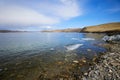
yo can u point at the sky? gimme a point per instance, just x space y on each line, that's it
36 15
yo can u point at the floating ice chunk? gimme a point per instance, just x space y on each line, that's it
52 49
73 47
88 39
76 39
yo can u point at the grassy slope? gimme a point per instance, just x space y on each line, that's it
110 27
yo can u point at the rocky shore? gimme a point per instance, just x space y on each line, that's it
107 66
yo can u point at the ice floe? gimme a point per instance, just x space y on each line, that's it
75 39
52 49
73 47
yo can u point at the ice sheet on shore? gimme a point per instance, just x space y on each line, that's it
73 47
87 39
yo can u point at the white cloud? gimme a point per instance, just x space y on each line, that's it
65 9
42 12
20 15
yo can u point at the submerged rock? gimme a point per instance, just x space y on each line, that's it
89 50
1 70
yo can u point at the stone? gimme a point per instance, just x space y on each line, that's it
89 50
5 69
111 38
112 53
84 61
110 71
84 78
115 64
85 74
76 61
61 79
105 56
1 70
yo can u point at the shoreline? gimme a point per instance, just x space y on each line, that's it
106 66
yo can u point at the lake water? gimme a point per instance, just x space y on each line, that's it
36 55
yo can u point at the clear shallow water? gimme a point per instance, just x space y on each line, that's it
22 54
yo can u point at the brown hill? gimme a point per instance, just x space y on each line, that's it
109 27
64 30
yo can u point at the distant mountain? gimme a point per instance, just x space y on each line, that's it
7 31
64 30
109 27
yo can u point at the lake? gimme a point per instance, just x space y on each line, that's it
45 56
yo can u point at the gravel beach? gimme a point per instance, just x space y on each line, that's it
107 66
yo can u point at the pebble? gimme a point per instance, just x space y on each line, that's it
110 71
105 56
85 74
115 64
88 49
84 61
76 61
61 79
108 66
84 78
5 69
112 53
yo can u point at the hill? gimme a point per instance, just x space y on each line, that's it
109 27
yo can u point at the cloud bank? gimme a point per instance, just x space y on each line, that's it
41 12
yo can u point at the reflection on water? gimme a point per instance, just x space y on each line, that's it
38 56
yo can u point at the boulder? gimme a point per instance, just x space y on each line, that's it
111 38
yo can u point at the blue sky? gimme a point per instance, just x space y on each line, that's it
57 14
